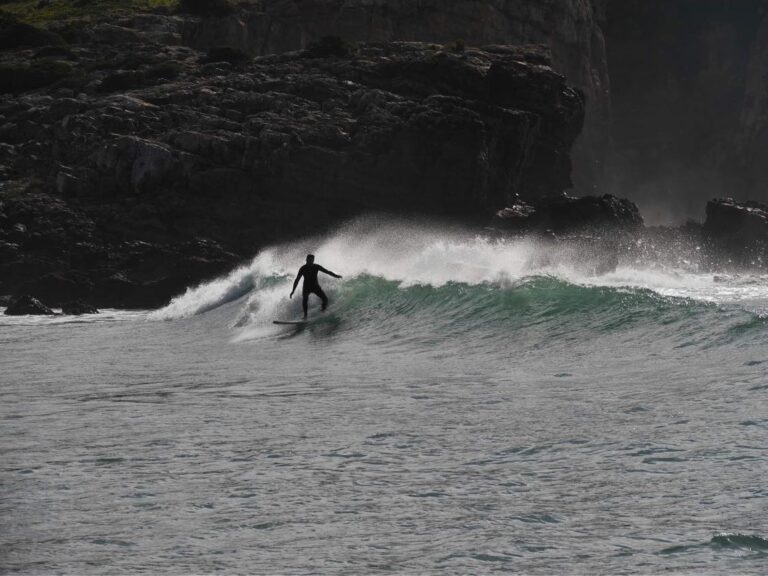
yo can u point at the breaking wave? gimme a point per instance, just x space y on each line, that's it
413 278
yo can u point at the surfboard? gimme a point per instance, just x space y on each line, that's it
290 322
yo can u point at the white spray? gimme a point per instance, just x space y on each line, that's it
417 253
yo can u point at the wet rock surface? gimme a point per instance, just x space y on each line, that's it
28 306
740 232
78 308
566 214
745 220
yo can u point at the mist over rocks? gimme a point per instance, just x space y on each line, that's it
78 308
566 214
740 230
689 103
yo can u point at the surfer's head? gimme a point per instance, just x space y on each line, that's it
310 258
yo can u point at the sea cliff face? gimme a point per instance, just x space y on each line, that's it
674 89
571 29
154 165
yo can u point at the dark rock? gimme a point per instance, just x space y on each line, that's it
57 288
689 100
226 54
122 81
742 220
134 161
119 291
77 308
55 51
110 34
565 214
163 71
67 184
15 34
28 305
738 234
329 46
207 7
22 76
397 125
591 212
571 33
517 213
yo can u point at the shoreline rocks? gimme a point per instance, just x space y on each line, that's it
78 308
27 305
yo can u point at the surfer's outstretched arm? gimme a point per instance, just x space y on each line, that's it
330 273
296 282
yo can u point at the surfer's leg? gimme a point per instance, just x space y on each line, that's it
323 297
304 302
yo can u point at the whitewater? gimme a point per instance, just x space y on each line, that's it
467 404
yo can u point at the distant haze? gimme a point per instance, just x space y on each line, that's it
683 89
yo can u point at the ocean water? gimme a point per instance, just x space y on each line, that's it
464 406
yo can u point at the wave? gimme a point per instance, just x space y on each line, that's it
749 542
728 541
424 277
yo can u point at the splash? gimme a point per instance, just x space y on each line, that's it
412 254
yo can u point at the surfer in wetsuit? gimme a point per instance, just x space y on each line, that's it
309 272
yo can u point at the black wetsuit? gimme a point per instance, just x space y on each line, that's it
311 286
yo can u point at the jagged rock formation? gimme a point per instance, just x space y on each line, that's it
564 214
157 166
681 116
572 29
739 231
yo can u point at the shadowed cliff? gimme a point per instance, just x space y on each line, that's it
572 30
689 102
154 165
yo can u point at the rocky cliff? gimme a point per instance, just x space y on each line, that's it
571 29
675 90
153 165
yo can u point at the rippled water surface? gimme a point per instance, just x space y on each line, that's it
461 408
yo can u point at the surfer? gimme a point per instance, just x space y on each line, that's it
311 286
